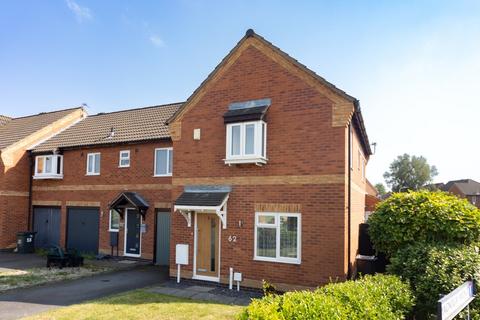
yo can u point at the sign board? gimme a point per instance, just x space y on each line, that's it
181 254
454 302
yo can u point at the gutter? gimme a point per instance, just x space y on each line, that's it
30 182
349 214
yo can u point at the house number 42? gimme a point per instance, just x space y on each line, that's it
232 239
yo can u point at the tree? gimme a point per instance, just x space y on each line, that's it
381 189
409 173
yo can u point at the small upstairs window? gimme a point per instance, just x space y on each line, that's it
48 167
163 162
124 161
93 164
246 132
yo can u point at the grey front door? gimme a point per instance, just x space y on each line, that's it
162 254
46 224
132 233
82 229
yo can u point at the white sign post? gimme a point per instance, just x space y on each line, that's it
181 257
454 302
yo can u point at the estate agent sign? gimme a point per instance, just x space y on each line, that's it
454 302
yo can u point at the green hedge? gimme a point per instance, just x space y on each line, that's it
423 216
433 270
371 297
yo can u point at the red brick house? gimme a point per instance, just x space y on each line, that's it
463 188
261 170
17 135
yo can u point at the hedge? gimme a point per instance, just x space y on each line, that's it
433 270
371 297
423 216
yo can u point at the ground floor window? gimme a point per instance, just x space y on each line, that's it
278 237
114 224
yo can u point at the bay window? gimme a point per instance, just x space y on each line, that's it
246 143
278 237
49 167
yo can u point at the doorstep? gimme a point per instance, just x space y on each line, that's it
209 293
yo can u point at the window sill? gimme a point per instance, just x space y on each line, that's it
113 230
278 260
259 161
48 176
124 166
161 175
92 174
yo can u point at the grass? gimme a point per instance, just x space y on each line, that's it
140 304
12 278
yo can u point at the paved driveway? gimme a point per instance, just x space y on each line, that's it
24 302
18 261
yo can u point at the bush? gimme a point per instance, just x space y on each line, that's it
371 297
423 216
433 270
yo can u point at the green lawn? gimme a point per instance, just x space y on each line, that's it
140 304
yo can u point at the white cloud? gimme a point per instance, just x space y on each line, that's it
81 13
157 41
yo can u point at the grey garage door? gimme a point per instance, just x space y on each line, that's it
82 229
163 239
46 224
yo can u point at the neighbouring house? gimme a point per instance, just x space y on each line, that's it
261 171
372 198
16 136
464 188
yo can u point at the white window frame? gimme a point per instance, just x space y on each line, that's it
120 158
169 165
49 175
276 225
110 222
93 155
257 156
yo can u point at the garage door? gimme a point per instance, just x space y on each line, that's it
46 224
82 229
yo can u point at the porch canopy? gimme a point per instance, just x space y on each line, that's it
129 200
207 199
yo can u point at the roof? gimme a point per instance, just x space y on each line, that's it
4 119
17 129
201 199
129 199
466 186
358 118
132 125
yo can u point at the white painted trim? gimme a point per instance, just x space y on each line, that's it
110 222
50 175
125 236
169 165
195 239
120 159
276 226
93 166
257 156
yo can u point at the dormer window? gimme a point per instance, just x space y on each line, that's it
246 132
49 167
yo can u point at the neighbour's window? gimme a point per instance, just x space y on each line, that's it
93 164
246 140
114 224
49 165
124 161
277 237
474 200
163 162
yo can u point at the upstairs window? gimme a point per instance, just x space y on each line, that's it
163 162
48 167
93 164
124 161
246 142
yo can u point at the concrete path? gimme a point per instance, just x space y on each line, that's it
24 302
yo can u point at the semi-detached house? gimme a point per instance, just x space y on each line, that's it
261 170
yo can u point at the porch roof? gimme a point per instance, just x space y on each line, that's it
201 199
129 200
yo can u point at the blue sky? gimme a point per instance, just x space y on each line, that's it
414 65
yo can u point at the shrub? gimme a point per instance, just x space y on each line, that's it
436 269
423 216
371 297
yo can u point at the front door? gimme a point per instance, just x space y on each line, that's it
133 221
207 245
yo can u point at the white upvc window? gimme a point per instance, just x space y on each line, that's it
124 159
278 237
246 142
114 221
49 167
93 164
163 162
